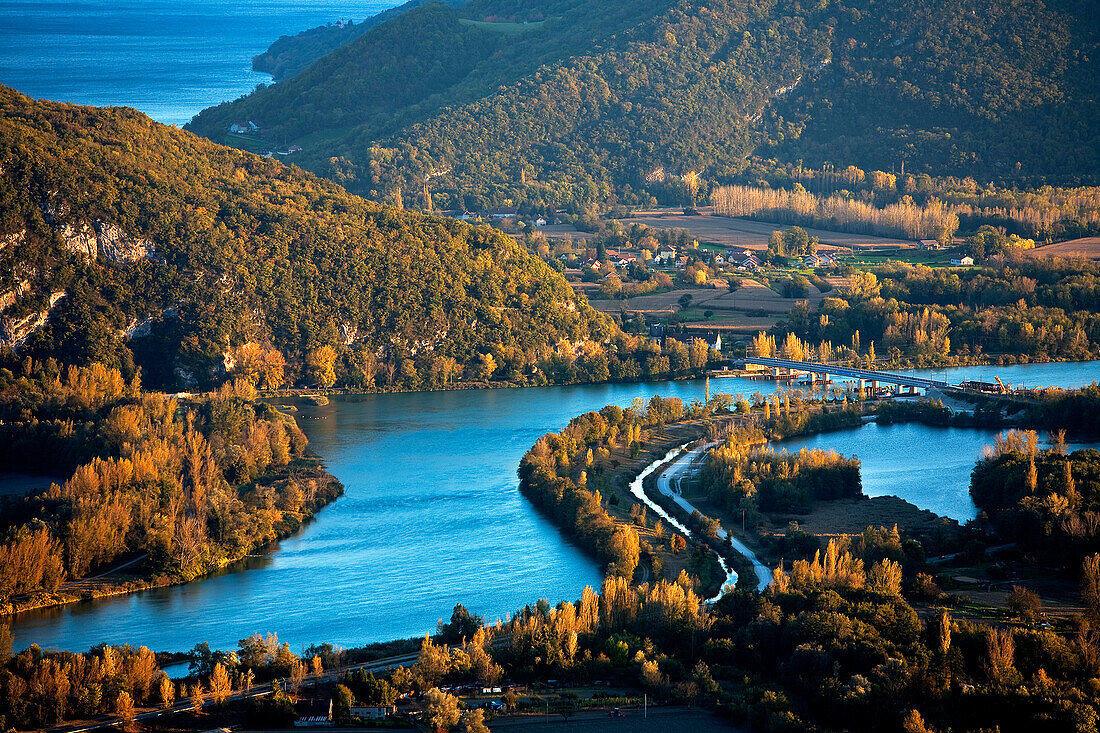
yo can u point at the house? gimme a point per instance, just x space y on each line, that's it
966 261
817 260
503 213
928 244
313 713
540 222
294 149
719 260
373 712
749 263
681 262
247 128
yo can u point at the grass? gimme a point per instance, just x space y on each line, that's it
912 256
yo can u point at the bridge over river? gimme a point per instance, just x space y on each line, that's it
864 375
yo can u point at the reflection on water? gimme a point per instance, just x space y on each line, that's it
433 516
926 466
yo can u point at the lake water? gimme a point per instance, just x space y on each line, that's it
433 516
168 58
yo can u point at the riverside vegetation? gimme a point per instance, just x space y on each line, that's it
834 643
911 315
182 487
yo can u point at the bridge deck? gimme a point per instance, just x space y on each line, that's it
868 375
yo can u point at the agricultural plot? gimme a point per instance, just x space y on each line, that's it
1088 247
748 234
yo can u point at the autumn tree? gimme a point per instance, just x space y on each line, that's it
220 685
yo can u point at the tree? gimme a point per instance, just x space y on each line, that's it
885 577
167 690
220 685
5 644
463 625
1090 589
441 709
486 366
124 709
942 633
1024 603
914 723
320 366
473 721
342 702
297 676
198 698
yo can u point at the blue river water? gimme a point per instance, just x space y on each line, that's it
167 58
433 516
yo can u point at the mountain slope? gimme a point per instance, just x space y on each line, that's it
129 242
587 105
291 54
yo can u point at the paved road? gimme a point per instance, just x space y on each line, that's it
668 483
655 720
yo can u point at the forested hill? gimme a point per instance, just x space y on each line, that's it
127 242
290 54
574 101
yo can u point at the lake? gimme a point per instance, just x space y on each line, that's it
433 516
168 58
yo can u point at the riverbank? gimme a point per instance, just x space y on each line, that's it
129 576
905 365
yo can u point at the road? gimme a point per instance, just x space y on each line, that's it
668 483
634 720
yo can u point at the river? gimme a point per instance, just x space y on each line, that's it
433 516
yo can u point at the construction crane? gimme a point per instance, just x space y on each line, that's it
1001 385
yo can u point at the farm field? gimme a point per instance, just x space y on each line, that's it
748 234
1088 247
749 309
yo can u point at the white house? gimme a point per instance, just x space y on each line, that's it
966 261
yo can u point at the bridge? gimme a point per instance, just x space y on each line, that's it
864 375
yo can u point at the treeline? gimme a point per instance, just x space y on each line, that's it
1046 500
44 688
903 219
831 645
555 475
182 486
743 473
1027 309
